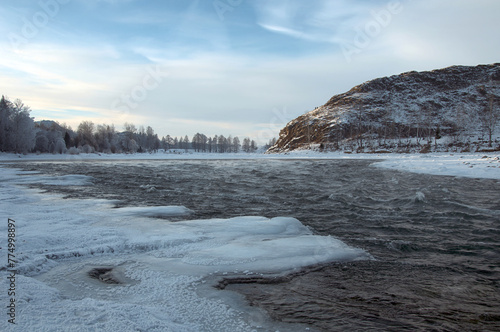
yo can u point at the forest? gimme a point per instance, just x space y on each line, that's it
20 133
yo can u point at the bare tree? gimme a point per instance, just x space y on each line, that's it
222 143
186 143
215 141
130 127
460 124
246 145
85 133
253 146
236 144
489 118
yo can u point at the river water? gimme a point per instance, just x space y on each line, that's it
435 239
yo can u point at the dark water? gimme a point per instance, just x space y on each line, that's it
436 239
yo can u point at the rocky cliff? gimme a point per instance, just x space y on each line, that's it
411 108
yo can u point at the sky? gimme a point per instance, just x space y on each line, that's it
230 67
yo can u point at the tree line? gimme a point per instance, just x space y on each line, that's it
21 134
17 128
423 128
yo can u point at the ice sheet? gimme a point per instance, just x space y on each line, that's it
162 266
486 166
36 178
154 211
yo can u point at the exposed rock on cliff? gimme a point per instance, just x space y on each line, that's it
408 109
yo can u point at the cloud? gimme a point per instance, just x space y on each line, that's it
316 21
296 34
442 33
229 77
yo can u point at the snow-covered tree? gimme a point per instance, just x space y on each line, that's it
5 123
41 141
22 136
60 146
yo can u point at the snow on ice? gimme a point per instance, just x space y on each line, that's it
163 272
155 211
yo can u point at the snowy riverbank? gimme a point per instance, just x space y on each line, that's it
475 165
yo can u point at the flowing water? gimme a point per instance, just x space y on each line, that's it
435 239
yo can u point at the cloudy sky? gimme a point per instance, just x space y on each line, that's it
239 67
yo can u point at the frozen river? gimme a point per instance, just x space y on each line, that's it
418 252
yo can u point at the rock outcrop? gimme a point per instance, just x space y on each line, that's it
412 106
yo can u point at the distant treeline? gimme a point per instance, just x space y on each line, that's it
21 134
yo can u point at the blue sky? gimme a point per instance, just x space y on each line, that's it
239 67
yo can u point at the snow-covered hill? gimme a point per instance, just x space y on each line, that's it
403 112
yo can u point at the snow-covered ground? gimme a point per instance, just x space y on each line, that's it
485 166
167 270
474 165
477 165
